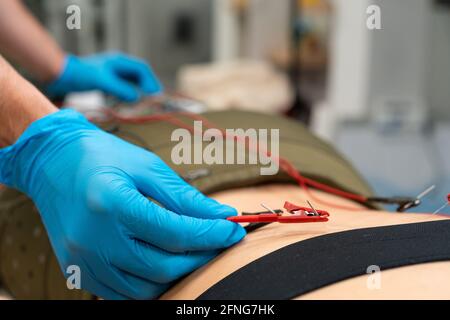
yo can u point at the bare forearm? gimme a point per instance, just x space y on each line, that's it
20 104
25 41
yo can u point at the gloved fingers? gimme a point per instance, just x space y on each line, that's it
125 285
162 184
151 263
106 293
99 289
139 288
169 231
130 67
118 87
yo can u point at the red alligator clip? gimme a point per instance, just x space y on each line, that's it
295 209
298 215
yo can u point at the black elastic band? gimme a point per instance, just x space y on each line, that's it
311 264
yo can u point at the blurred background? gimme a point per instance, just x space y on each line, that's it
380 96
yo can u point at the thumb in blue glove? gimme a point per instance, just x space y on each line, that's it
90 188
117 74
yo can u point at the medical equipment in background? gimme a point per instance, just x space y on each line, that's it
300 108
377 74
169 33
243 84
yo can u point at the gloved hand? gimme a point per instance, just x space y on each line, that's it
90 187
122 76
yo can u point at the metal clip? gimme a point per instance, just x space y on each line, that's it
298 215
404 203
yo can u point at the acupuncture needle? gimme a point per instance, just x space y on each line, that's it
269 209
426 191
311 206
444 205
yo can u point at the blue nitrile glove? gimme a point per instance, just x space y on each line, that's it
122 76
89 188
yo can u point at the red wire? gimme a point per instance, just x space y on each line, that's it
303 182
284 164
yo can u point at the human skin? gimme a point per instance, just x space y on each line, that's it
20 104
422 281
26 42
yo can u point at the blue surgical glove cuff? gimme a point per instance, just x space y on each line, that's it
61 85
16 161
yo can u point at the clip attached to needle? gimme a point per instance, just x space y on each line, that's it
404 203
309 212
298 214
